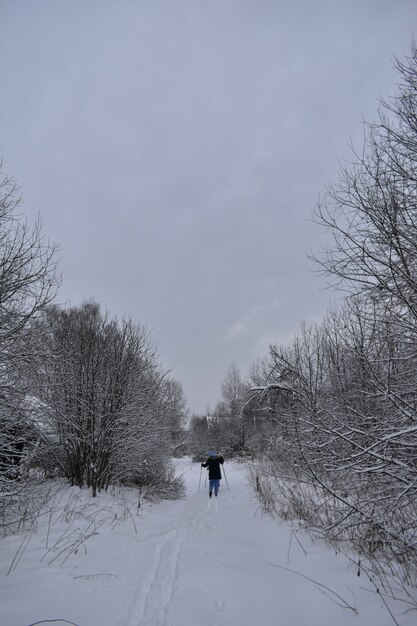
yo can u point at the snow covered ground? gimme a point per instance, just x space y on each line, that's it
192 562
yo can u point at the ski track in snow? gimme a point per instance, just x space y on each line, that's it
154 595
157 590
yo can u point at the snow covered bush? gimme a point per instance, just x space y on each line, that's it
104 400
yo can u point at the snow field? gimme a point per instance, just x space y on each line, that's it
192 562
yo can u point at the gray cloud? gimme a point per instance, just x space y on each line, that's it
175 150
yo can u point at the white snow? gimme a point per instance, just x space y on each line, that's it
192 562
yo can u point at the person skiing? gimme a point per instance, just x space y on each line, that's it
213 462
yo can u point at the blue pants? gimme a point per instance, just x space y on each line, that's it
214 485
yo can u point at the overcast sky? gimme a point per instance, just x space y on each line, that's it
176 148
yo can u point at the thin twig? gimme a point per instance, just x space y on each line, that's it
98 575
24 544
381 595
299 543
53 621
345 604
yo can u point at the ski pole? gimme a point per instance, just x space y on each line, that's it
225 477
199 482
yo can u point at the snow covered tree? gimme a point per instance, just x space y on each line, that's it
199 437
229 412
104 399
371 215
339 433
353 417
28 282
176 416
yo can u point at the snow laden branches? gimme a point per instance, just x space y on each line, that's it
28 282
108 406
347 429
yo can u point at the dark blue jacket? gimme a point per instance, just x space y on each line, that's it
213 464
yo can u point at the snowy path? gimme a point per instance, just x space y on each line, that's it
193 562
210 563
